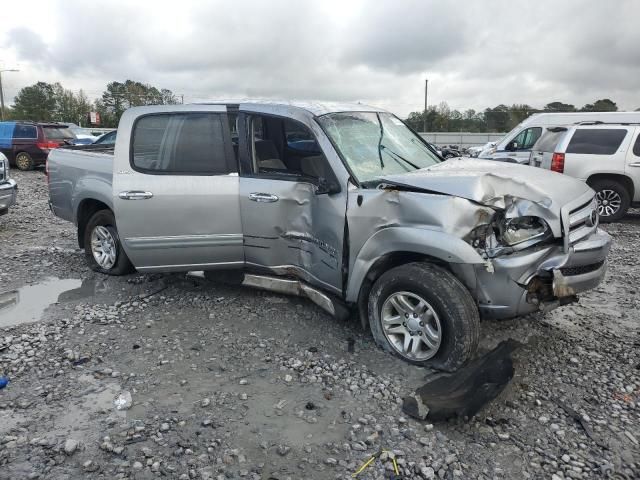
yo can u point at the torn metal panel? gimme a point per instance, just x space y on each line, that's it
382 221
517 190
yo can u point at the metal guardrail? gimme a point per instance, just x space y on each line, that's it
462 139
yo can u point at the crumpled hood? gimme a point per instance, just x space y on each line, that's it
518 189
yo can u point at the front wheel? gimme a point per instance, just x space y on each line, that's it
102 247
423 314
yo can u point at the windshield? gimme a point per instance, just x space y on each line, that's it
376 144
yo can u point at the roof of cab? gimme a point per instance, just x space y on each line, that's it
315 108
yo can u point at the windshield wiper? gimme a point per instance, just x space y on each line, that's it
380 142
391 152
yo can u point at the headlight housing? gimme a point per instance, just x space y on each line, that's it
521 230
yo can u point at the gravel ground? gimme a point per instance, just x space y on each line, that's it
220 382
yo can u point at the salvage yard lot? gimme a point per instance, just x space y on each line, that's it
235 383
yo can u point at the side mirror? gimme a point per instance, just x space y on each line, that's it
327 187
512 146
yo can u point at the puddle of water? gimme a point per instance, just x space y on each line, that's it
27 303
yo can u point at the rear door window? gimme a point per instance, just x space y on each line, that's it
596 141
25 132
181 143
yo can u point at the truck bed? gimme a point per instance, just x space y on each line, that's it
77 173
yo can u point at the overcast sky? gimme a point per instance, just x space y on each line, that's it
474 53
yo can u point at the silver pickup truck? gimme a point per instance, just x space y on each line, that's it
8 187
341 203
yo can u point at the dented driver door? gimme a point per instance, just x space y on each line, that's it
289 229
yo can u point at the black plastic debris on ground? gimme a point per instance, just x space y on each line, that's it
463 393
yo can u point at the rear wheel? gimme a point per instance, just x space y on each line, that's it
423 314
613 200
103 250
24 161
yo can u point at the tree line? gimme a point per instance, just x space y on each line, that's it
501 118
47 102
52 102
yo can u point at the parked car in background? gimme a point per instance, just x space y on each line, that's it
83 136
26 144
474 152
370 219
108 138
516 145
8 187
606 156
450 151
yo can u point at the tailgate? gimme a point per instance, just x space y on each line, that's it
541 159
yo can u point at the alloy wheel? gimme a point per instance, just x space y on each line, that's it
609 202
103 247
411 326
23 162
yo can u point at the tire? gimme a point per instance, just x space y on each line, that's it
450 307
103 223
611 193
24 161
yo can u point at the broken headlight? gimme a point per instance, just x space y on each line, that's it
521 230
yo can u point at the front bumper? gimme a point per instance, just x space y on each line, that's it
8 195
541 278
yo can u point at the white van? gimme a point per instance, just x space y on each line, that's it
516 145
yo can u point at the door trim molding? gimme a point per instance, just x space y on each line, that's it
185 241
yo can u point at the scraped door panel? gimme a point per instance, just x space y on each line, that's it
291 230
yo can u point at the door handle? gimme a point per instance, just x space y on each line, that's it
634 164
263 197
135 195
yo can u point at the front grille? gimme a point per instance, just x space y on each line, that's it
581 269
580 221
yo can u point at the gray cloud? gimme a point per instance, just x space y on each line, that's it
476 54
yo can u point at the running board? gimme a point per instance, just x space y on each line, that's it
296 287
288 286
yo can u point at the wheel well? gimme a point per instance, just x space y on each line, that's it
625 181
384 263
86 209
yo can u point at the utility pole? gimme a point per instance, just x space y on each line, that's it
2 92
182 98
424 116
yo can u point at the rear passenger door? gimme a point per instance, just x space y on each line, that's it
176 189
597 150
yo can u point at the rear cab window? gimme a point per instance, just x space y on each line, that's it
182 144
596 141
58 133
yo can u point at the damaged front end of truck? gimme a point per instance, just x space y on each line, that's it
537 239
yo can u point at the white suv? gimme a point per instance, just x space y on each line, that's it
605 155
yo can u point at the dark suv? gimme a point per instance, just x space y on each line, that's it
27 144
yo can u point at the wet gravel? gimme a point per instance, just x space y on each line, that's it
216 382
